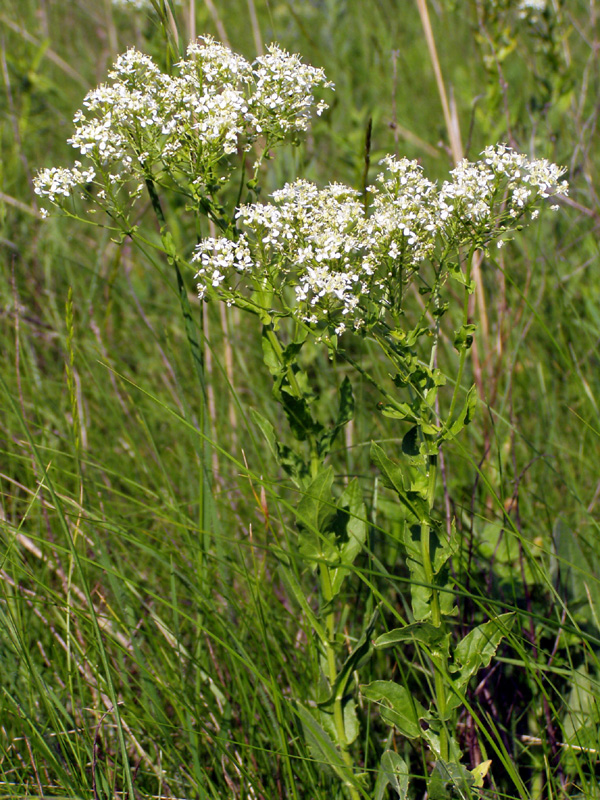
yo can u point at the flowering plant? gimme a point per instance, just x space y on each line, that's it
335 263
349 259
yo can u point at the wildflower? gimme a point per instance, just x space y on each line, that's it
345 264
59 181
143 121
217 258
531 9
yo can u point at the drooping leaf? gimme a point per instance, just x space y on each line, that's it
478 647
398 707
393 771
356 530
322 747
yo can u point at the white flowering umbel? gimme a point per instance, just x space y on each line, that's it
137 5
185 127
57 182
322 256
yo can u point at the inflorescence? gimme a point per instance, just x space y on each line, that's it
145 122
347 262
322 255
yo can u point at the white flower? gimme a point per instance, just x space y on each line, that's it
137 5
58 181
531 8
216 104
340 258
217 258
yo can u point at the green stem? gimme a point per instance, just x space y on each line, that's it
338 711
207 518
463 352
440 664
315 462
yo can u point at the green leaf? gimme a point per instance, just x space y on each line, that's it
316 498
393 771
403 710
463 337
297 411
410 442
441 549
479 772
478 647
457 274
313 515
293 589
359 656
356 530
465 416
292 463
450 780
323 749
270 357
406 481
344 415
422 632
399 411
351 723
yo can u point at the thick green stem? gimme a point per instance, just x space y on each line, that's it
440 664
207 518
326 588
464 348
338 710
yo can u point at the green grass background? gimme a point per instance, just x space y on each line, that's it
148 646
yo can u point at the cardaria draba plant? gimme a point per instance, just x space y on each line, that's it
336 264
341 264
332 261
185 129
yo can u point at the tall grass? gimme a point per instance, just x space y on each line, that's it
156 622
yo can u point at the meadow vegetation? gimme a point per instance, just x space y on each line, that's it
300 426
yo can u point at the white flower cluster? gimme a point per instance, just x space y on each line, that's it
60 182
531 8
183 125
217 258
346 262
502 185
284 88
137 5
